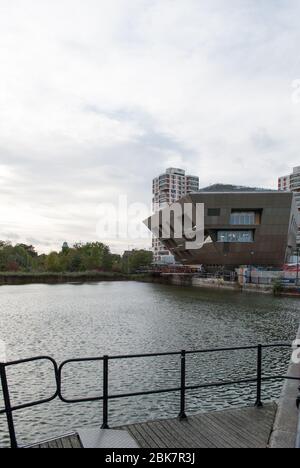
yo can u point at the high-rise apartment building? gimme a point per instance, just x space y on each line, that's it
291 183
167 189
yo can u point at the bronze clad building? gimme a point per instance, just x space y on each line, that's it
241 228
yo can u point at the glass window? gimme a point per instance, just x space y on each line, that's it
235 236
213 212
242 219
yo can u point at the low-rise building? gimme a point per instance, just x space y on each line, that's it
240 228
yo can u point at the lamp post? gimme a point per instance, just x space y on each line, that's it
251 268
297 277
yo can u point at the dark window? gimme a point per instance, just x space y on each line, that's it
213 212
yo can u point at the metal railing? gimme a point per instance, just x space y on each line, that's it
9 409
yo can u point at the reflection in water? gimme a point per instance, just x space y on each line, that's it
67 321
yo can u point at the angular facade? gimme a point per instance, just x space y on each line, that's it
250 228
169 187
291 183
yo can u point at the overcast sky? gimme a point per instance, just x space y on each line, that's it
99 96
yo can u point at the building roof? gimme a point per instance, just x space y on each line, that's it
228 188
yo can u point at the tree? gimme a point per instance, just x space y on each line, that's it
5 251
95 256
136 259
30 249
116 263
52 263
14 258
92 256
76 263
40 263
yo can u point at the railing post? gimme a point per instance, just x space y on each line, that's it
182 414
105 393
9 413
258 403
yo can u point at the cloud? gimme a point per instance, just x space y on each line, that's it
98 97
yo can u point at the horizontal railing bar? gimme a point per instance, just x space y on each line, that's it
196 351
213 350
277 345
291 378
81 400
32 404
241 348
195 387
220 350
235 382
111 358
150 392
136 356
177 389
71 361
175 353
28 360
153 392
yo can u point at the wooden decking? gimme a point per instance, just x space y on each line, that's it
68 442
237 428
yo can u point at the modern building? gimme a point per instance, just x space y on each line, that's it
240 228
169 187
291 183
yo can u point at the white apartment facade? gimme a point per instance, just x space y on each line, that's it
167 189
291 183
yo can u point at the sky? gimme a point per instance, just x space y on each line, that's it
97 97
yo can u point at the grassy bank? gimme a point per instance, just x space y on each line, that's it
60 278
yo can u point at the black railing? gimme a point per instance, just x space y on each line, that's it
106 396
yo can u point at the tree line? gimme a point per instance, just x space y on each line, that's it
82 257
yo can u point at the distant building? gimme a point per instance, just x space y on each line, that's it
167 189
291 183
241 228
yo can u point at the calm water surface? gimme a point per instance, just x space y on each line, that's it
67 321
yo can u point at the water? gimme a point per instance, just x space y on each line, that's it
67 321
